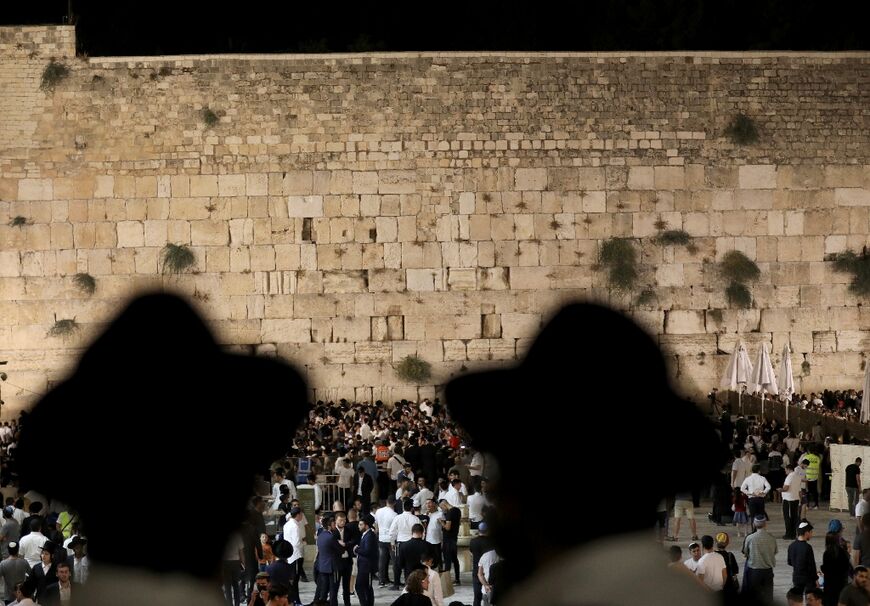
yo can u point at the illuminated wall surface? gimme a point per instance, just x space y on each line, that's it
346 211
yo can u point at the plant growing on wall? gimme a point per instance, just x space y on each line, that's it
673 237
857 265
741 130
85 283
209 117
63 328
414 370
737 269
646 297
18 221
620 258
53 73
177 258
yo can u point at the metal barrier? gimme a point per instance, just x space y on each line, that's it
799 418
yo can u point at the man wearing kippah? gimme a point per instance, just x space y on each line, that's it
760 551
802 559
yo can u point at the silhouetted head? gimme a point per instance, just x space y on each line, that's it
152 397
591 376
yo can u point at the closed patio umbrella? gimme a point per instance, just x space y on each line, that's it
738 372
762 379
786 378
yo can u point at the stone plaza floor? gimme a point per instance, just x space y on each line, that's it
819 518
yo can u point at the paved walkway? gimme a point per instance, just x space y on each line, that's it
819 518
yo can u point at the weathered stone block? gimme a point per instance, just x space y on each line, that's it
533 179
232 185
397 181
461 278
365 182
684 322
641 177
757 176
529 278
285 331
35 189
305 206
520 325
202 186
207 233
131 234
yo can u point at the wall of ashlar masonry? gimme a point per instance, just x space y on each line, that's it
349 210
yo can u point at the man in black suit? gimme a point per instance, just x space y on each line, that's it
328 552
363 485
366 561
51 595
348 537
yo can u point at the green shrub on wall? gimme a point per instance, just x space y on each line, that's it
737 269
857 265
414 370
85 283
53 74
63 328
741 130
673 237
177 258
620 258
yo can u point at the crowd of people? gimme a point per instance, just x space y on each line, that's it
403 474
842 404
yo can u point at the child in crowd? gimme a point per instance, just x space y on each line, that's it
738 506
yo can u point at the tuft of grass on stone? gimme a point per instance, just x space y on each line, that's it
737 267
620 258
177 258
85 283
209 118
63 328
18 221
414 370
672 237
741 130
738 295
53 74
857 265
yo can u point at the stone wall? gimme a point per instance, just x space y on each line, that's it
348 210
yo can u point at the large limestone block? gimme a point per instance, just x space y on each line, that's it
529 278
461 278
684 322
848 196
493 278
428 279
520 325
670 177
372 353
202 186
35 189
297 183
345 281
757 176
365 182
531 179
641 177
231 185
351 329
305 206
688 345
206 233
131 234
397 181
285 331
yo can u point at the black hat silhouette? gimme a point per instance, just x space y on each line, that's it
592 388
165 418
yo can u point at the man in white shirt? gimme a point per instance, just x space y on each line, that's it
384 517
739 468
401 531
791 502
455 496
755 487
423 493
434 532
711 567
278 476
476 503
692 562
486 562
30 546
475 467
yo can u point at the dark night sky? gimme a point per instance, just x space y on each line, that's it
119 27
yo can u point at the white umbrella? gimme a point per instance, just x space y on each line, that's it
786 377
738 373
865 401
763 380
